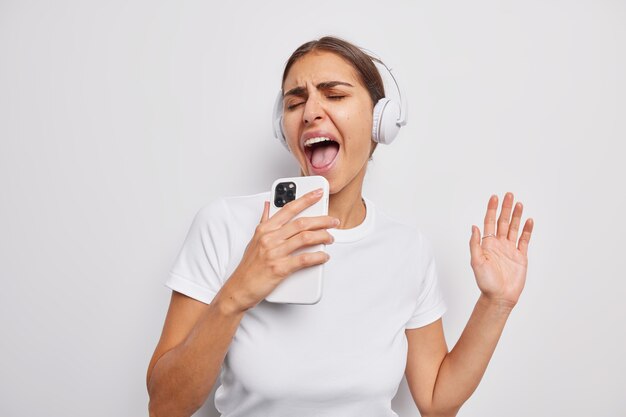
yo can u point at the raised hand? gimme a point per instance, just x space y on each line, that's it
499 259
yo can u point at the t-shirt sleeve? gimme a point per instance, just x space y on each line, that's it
430 303
199 268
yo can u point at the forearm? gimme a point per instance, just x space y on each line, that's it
463 368
183 377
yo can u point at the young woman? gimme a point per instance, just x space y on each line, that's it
380 313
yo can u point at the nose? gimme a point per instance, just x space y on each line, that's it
312 110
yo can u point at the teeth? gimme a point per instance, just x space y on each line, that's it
310 142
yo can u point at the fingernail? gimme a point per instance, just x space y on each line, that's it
336 222
318 192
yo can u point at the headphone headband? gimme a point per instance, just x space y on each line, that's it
402 119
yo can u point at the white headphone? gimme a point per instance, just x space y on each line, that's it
388 116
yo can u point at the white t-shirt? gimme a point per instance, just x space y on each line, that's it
344 356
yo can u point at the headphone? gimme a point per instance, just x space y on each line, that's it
388 115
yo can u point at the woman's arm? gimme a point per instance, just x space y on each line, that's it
441 382
189 355
196 336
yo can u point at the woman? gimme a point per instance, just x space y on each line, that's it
380 313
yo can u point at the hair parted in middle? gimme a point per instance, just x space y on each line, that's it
362 63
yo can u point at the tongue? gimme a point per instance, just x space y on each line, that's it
323 155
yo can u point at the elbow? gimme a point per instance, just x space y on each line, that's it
163 404
158 409
438 411
436 414
443 414
153 411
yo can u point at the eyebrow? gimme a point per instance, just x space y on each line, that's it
301 91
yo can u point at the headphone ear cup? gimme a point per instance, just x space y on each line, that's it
378 109
278 131
385 125
277 119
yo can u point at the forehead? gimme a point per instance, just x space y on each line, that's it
320 66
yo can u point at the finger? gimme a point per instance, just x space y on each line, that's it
524 240
306 259
291 209
304 239
505 215
490 216
515 222
266 212
306 223
475 249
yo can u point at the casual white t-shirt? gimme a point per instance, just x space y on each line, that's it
344 356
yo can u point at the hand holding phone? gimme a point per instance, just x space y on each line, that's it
305 285
273 253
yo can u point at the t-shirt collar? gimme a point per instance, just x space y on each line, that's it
359 231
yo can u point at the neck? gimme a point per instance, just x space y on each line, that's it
347 204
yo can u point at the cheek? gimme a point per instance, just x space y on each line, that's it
358 130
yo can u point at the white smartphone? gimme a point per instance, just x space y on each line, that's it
305 285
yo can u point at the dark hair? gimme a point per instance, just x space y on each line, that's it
362 63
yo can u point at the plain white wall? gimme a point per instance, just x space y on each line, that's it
120 119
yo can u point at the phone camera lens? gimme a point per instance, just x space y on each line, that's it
284 193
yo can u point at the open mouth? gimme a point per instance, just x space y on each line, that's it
321 151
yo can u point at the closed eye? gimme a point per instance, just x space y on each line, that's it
294 105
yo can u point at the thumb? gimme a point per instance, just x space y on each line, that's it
474 243
266 212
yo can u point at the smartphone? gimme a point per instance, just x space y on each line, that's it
305 285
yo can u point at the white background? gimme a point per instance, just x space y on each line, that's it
120 119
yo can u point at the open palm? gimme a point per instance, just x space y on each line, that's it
499 259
